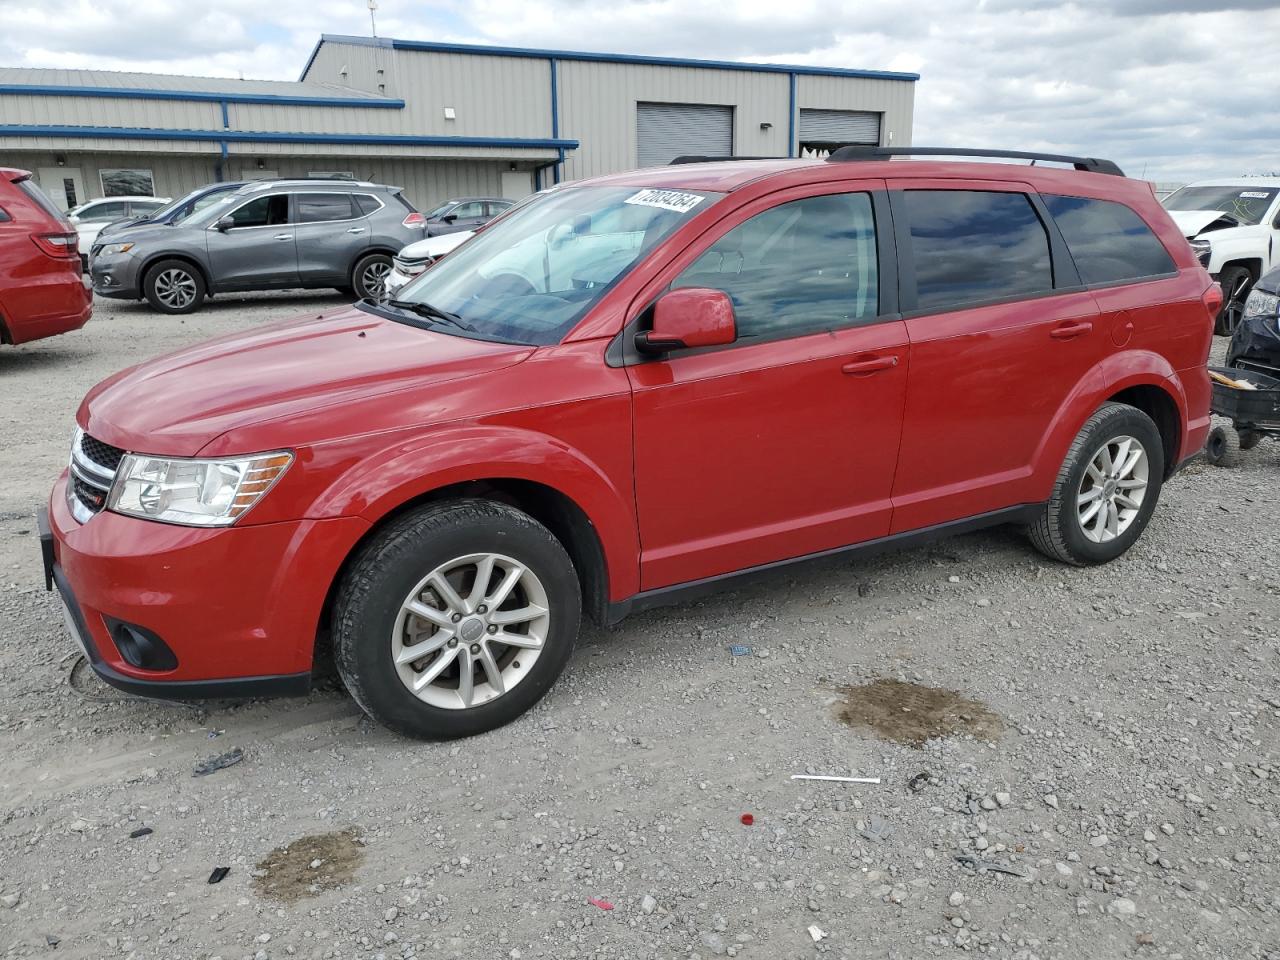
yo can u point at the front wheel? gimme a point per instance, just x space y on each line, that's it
1236 282
174 286
1106 490
456 619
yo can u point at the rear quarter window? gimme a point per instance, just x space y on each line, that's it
1109 242
41 199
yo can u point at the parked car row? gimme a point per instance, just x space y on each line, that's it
625 392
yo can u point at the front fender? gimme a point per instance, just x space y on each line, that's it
1222 252
378 485
1112 375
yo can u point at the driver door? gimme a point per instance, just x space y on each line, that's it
256 251
783 443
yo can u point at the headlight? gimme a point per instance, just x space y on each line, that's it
1261 304
115 249
196 493
1203 250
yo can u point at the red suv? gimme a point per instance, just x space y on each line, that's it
42 292
636 388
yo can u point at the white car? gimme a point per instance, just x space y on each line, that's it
1234 228
419 255
89 218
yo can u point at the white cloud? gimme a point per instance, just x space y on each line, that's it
1175 89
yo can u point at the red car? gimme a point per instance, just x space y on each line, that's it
42 292
637 388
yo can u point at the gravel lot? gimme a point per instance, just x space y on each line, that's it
1117 751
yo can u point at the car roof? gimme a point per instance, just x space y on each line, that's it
1244 182
473 199
132 196
304 183
730 175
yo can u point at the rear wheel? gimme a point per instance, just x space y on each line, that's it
1223 446
1236 284
1249 439
369 276
1106 490
174 286
456 619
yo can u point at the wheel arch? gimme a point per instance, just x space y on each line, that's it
1252 264
1158 404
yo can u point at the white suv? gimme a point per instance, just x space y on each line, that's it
1234 228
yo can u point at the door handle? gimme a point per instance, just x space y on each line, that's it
1070 330
283 236
871 365
356 230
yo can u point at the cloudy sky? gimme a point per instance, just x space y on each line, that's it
1172 89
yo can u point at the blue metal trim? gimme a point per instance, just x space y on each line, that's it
791 119
226 118
430 46
129 93
254 136
555 119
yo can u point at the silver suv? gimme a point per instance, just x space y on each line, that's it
273 235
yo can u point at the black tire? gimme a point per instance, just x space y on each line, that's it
384 574
1249 439
1236 283
174 287
347 292
362 281
1222 448
1058 532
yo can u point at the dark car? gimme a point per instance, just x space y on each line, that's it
464 213
174 212
1255 345
41 290
268 235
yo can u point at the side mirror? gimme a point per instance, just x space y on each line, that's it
449 217
690 317
225 224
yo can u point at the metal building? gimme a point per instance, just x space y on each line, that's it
440 119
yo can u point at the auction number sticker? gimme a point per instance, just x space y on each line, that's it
665 200
1255 195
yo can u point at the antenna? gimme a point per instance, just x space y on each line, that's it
373 16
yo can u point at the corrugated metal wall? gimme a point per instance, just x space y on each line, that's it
894 98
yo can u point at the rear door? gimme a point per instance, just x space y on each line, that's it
1001 333
781 444
467 216
257 252
331 233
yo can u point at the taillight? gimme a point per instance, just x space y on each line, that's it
1213 300
414 219
60 245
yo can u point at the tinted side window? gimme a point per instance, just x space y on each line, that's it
972 246
262 212
365 203
797 268
104 212
467 211
1108 241
319 207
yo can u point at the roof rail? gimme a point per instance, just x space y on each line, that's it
860 152
694 158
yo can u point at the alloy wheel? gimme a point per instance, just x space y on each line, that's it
1112 489
1233 311
374 279
176 289
470 631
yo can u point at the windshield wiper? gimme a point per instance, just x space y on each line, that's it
429 312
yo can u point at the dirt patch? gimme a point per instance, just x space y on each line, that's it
310 865
910 713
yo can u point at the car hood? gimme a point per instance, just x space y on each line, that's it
435 246
1270 282
177 404
1191 222
143 232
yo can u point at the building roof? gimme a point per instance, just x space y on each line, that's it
165 86
637 59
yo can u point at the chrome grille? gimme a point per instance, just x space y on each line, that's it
93 471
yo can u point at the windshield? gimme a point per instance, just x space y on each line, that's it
218 205
439 211
1248 205
529 277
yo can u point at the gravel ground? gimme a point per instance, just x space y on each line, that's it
1109 735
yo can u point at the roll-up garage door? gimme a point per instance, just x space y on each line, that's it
827 127
665 131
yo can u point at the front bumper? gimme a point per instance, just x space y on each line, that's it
238 607
116 277
1256 345
396 279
